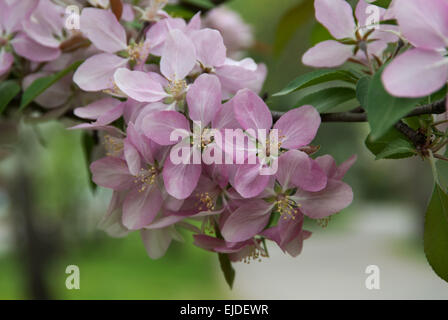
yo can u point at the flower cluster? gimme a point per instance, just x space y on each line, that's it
173 87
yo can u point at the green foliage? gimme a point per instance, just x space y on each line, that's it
227 269
382 3
392 145
319 34
315 78
206 4
40 85
290 22
327 99
8 90
384 110
436 233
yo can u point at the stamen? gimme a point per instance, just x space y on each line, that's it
205 201
323 223
113 145
287 207
146 177
177 89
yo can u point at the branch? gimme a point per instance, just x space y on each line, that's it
438 107
196 7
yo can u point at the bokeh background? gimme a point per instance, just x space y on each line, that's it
49 213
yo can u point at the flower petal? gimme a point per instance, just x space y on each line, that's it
179 56
31 50
111 173
95 109
298 127
181 179
416 73
156 242
210 48
97 72
204 99
249 182
103 29
141 207
336 16
317 205
327 54
139 85
251 111
246 221
160 125
424 23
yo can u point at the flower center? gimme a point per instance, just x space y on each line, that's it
205 201
113 145
287 207
146 177
134 51
177 89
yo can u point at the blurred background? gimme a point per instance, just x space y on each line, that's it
49 212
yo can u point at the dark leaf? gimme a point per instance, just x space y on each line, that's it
8 90
436 233
227 269
327 99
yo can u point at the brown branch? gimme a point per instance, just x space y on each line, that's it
357 116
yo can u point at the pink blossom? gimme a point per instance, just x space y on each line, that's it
424 69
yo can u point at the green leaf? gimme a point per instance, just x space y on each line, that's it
382 3
206 4
290 22
436 233
42 84
87 144
8 90
314 78
362 89
178 11
326 99
319 34
227 269
384 110
392 145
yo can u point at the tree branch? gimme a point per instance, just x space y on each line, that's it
438 107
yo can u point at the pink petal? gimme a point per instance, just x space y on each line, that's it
97 72
31 50
416 73
111 222
246 221
251 111
210 48
180 180
317 205
204 99
327 54
139 85
159 31
159 126
103 29
141 207
179 56
364 10
344 167
298 127
249 182
95 109
336 16
111 173
424 23
6 61
297 169
13 13
156 242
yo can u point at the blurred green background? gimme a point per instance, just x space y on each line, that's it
384 224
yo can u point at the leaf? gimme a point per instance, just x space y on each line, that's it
362 88
206 4
319 34
392 145
326 99
436 233
314 78
177 11
227 269
8 90
382 3
87 144
42 84
384 110
290 22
